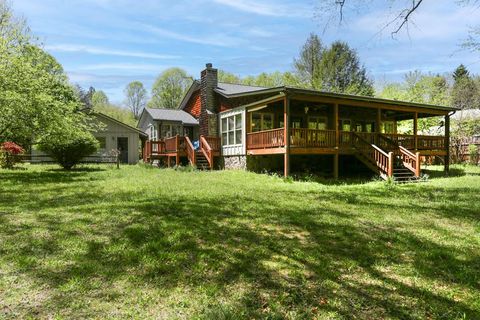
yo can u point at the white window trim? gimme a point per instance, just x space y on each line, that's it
234 130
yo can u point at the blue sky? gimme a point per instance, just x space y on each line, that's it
108 43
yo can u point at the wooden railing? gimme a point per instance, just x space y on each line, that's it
430 142
345 139
266 139
312 138
404 140
378 157
209 146
153 148
410 160
174 144
190 151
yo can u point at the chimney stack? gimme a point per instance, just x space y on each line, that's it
208 116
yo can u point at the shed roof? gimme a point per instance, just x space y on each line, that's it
172 115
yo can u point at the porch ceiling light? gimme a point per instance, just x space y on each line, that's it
306 110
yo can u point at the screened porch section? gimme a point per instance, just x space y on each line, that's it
325 127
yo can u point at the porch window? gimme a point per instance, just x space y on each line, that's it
345 125
232 130
388 127
318 123
261 121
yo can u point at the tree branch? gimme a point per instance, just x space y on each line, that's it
405 15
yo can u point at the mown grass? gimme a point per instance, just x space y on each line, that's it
148 243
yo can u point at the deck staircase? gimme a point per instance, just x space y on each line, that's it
388 159
201 161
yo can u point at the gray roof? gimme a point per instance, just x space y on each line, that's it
172 115
230 88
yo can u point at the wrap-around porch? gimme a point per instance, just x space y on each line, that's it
368 130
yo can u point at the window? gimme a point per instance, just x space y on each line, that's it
319 123
170 130
232 130
388 127
103 142
345 125
261 121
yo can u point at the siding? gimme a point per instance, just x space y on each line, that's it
238 149
194 105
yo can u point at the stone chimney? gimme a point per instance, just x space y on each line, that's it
209 110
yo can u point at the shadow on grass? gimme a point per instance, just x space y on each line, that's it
290 259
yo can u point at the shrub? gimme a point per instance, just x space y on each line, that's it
69 148
9 152
473 153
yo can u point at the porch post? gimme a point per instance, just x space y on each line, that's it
415 130
447 144
337 141
286 135
378 124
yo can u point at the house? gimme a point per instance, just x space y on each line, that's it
292 129
116 135
165 123
111 135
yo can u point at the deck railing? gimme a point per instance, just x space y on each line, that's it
190 151
273 138
378 157
404 140
312 138
410 160
209 146
430 143
174 144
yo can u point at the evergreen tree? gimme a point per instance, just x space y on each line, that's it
308 64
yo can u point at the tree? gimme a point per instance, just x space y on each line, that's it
402 12
335 69
340 71
99 98
169 88
228 77
465 92
35 96
308 63
136 97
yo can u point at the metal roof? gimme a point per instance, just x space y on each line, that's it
231 88
172 115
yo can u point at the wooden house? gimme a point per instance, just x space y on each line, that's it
277 128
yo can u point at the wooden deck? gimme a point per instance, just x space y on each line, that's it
182 147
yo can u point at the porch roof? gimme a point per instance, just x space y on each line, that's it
340 96
172 115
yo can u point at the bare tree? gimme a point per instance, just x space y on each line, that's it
402 15
136 97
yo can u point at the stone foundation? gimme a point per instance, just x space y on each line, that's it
235 162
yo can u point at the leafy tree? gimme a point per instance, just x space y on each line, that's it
228 77
465 92
99 98
169 88
136 97
35 96
340 71
335 69
308 63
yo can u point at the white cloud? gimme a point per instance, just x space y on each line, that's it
122 66
273 9
107 52
220 40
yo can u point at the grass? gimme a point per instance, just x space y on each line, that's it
148 243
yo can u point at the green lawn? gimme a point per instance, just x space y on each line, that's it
143 243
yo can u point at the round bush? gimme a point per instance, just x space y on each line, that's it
68 149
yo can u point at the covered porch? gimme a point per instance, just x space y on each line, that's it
323 125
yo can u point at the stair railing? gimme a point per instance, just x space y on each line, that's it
382 159
410 160
190 151
207 151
